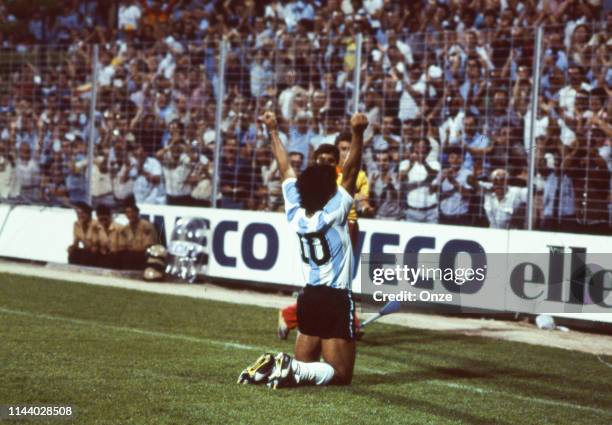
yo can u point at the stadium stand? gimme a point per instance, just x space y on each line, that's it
104 101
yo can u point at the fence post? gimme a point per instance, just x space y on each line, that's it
531 154
218 119
92 118
357 72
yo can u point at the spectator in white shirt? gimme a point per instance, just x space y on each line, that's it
558 199
271 181
293 99
372 7
148 187
414 86
294 11
417 175
199 177
451 130
384 187
129 16
300 136
101 182
106 70
454 189
261 75
567 95
176 168
123 171
503 204
403 48
390 128
472 47
296 160
164 108
28 174
8 179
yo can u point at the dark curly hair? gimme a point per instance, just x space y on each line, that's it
328 148
316 185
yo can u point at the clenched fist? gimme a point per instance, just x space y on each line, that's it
359 122
269 119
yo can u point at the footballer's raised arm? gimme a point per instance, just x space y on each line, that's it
352 165
278 150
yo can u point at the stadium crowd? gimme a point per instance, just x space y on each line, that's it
446 85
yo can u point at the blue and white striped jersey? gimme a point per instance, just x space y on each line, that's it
325 245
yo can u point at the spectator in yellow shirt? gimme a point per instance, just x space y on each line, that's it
86 237
134 238
109 236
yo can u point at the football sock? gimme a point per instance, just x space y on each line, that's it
317 373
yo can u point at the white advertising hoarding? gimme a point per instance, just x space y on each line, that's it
260 247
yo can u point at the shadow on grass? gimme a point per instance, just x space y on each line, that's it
427 408
421 349
411 336
424 336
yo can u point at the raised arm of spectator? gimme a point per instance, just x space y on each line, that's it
136 118
159 155
480 151
542 15
352 165
569 159
603 125
561 10
278 150
34 69
432 131
540 160
505 72
38 148
517 101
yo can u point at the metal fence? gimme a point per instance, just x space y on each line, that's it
504 128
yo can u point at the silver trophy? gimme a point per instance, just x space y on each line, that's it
188 249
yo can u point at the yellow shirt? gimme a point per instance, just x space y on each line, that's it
138 239
362 191
110 237
88 235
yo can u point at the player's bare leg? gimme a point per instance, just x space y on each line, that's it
340 354
307 348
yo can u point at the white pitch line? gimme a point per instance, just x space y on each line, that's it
520 397
158 334
459 386
372 370
240 346
604 362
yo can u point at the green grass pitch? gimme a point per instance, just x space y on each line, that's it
129 357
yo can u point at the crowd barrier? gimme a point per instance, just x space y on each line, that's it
259 247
